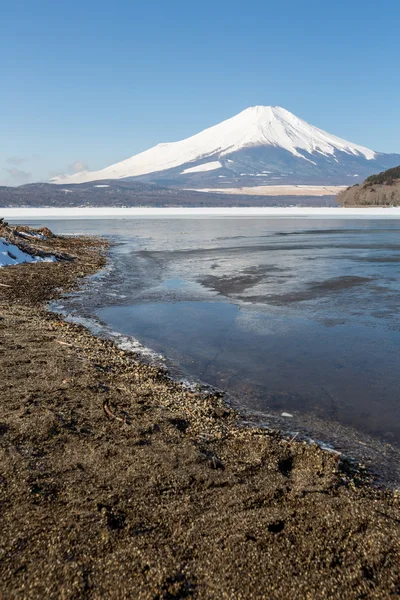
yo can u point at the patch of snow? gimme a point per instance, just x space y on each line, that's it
209 166
276 190
37 236
254 127
12 255
101 186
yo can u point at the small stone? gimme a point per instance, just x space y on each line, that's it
220 412
216 463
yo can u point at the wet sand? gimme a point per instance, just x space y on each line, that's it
116 482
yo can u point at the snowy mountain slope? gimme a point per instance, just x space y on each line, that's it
267 142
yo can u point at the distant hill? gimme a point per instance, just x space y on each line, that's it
125 193
382 189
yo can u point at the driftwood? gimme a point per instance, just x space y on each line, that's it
64 343
20 238
110 414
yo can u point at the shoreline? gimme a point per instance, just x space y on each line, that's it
374 464
137 487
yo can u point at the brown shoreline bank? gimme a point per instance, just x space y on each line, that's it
116 482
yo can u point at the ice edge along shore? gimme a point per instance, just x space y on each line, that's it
179 212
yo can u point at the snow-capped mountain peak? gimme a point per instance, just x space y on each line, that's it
276 126
253 143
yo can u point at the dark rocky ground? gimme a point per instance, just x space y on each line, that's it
116 482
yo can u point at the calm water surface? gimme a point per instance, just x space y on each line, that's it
288 315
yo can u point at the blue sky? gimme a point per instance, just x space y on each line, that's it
91 83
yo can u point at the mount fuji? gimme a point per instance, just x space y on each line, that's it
261 146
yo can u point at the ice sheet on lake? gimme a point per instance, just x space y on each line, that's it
105 212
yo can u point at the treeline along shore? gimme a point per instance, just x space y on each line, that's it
116 482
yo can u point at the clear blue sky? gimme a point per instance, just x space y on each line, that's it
96 82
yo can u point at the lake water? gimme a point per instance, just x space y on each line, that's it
297 316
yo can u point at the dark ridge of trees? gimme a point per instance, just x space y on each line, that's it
388 177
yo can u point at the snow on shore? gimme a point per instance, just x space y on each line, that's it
184 212
12 255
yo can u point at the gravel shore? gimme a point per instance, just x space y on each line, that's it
116 482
